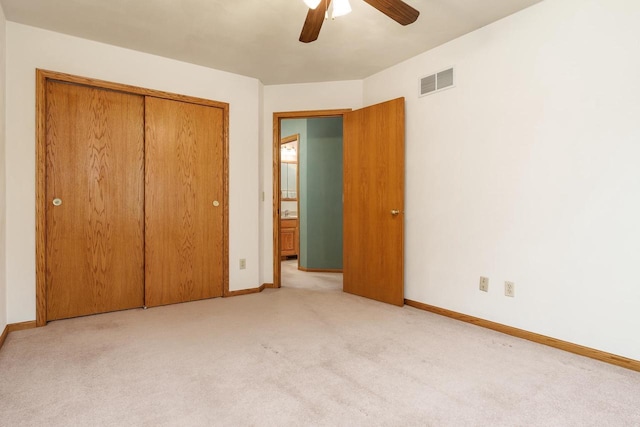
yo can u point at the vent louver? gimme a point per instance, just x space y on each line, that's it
428 84
436 82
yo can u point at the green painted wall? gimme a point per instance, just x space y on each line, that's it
324 193
320 216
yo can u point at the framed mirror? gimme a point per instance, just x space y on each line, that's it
289 176
289 168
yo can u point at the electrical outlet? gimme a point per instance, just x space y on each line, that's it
509 289
484 284
243 264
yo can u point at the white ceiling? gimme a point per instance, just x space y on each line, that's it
259 38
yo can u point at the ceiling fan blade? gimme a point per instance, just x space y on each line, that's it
397 10
313 23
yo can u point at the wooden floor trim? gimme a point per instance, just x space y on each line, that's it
3 337
13 327
251 291
245 291
592 353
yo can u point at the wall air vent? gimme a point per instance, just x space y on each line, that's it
436 82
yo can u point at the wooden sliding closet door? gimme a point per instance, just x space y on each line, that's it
94 200
184 191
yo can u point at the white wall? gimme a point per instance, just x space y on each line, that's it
294 97
29 48
529 171
3 273
261 204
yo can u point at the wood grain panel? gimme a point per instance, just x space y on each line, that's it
184 175
602 356
94 164
373 238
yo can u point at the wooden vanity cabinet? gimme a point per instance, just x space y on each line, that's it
288 237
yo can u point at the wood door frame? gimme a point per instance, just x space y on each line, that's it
286 140
42 76
277 119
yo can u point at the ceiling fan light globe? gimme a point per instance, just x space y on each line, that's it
312 3
340 8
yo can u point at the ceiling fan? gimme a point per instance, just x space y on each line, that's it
397 10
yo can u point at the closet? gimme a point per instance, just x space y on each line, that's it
131 199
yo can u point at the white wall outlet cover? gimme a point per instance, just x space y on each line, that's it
509 289
484 284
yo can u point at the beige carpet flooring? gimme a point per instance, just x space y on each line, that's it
306 354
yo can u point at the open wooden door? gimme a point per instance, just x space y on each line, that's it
374 202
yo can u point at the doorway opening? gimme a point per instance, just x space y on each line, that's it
307 202
372 199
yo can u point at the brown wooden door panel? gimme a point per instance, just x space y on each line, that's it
95 166
183 177
374 186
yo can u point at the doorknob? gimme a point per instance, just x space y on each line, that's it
395 212
57 202
216 203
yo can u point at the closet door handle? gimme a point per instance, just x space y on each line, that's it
57 202
216 203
